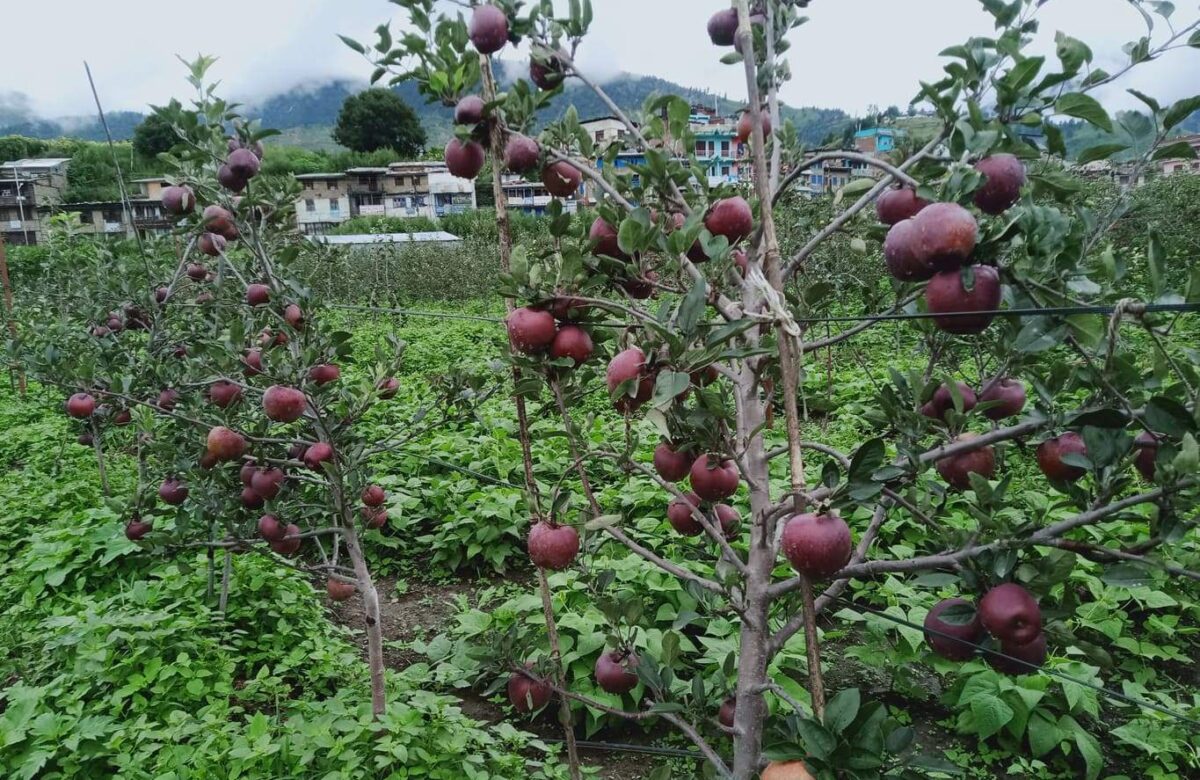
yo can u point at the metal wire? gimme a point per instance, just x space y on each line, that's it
1032 667
624 747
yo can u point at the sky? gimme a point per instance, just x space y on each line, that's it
853 54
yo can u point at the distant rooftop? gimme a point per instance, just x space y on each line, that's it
320 176
37 162
366 170
870 131
388 238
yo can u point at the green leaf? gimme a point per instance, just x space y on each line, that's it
1099 152
818 742
900 740
1084 107
1089 748
991 714
1180 150
1166 415
353 44
1180 110
1043 733
1125 575
867 459
691 309
842 709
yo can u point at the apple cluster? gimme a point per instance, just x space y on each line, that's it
956 630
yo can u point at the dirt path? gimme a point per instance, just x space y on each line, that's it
424 611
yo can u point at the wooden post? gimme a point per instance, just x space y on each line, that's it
8 309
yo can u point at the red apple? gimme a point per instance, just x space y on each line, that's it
167 399
469 110
224 393
270 529
954 641
530 330
1011 614
672 464
464 160
723 26
197 272
817 546
374 516
640 287
745 127
294 316
956 469
251 499
324 373
290 543
1033 653
225 444
731 218
786 770
727 712
258 294
630 366
605 237
713 480
729 519
942 401
548 72
521 153
948 233
252 362
679 515
946 294
230 180
572 342
339 590
244 163
173 492
527 693
899 204
284 404
488 29
1007 393
902 253
1145 461
388 387
1050 457
1004 176
267 482
81 406
314 456
614 672
178 200
373 495
137 528
220 221
553 546
122 418
211 244
561 179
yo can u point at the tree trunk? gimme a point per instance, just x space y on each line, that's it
370 597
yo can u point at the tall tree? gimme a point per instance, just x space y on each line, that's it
378 119
154 136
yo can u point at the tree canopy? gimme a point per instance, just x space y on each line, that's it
153 137
378 119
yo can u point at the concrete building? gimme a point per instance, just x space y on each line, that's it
1181 165
29 189
402 189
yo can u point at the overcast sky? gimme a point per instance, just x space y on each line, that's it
853 54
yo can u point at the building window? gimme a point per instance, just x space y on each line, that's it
331 185
725 171
310 205
334 205
724 148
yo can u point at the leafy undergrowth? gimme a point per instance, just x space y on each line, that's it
117 664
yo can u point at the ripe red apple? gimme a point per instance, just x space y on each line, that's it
745 127
268 338
324 373
1145 461
173 492
220 221
1007 393
270 529
290 543
258 294
246 473
284 404
956 469
817 546
1032 652
527 693
230 180
224 393
162 294
530 330
197 272
942 401
946 294
605 237
388 387
207 460
679 515
167 399
731 218
115 324
899 204
565 307
488 29
548 73
373 495
1050 457
244 163
728 712
205 297
572 342
178 200
1011 614
553 546
123 418
257 147
959 644
374 516
211 244
614 672
629 366
251 499
723 26
464 160
786 770
225 444
339 590
640 287
314 456
948 234
730 520
267 482
294 316
469 111
902 253
671 464
100 331
137 528
713 480
297 450
81 406
561 179
521 153
1005 175
252 361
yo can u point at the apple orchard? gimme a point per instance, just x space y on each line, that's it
698 311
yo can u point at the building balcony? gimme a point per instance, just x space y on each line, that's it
15 201
375 210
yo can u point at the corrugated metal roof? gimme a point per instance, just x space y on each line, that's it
388 238
37 162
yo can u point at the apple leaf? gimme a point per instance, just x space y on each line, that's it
1180 150
1166 415
1180 111
958 615
1084 107
818 742
1099 152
